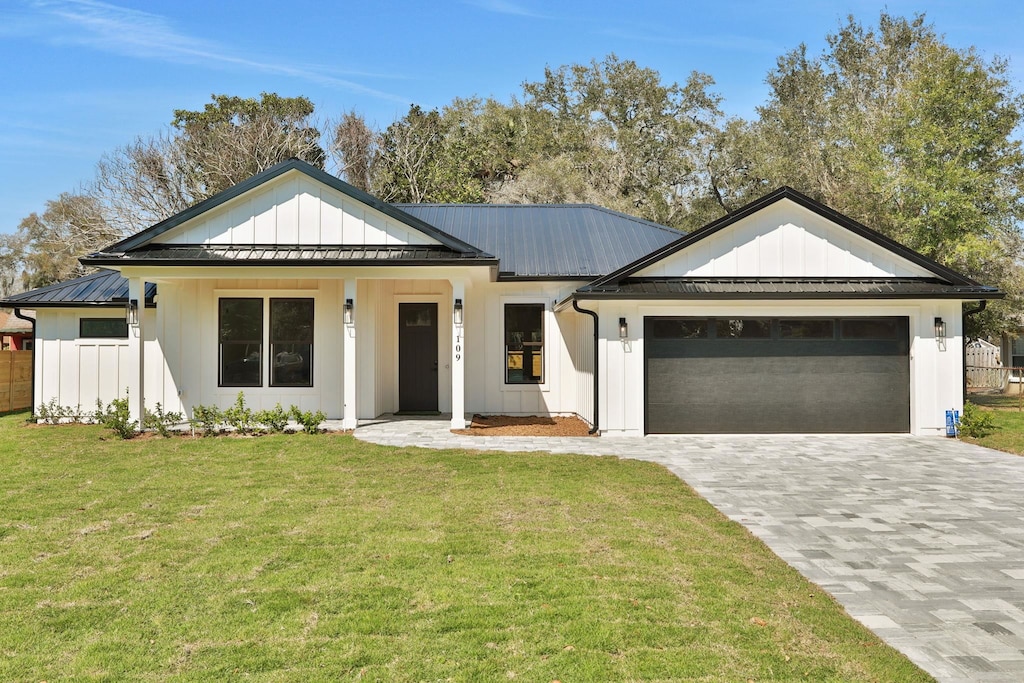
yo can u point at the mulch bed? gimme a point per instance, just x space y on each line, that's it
531 425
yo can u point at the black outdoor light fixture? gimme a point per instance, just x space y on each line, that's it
131 311
623 328
457 312
940 329
348 311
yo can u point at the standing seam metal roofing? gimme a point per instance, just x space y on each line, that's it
548 240
105 287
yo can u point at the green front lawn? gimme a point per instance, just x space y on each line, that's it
324 558
1008 419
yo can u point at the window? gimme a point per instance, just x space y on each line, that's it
680 328
524 343
291 342
241 342
27 345
868 328
792 328
746 328
103 328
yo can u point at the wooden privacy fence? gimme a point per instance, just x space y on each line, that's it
15 380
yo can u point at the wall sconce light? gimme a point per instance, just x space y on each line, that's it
623 328
131 312
457 312
349 307
940 329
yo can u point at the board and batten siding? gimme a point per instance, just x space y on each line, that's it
294 209
188 331
76 372
784 240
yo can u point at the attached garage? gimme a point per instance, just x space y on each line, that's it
782 375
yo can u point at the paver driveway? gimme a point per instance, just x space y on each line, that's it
921 539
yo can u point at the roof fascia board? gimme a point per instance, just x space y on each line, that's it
806 202
789 296
141 238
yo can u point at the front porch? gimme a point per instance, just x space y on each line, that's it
370 343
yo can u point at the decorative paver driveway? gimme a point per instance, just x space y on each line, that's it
921 539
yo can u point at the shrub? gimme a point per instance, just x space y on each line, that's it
275 420
207 419
52 413
161 422
118 417
975 422
239 416
309 421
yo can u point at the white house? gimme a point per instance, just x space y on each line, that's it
298 288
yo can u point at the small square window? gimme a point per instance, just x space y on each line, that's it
680 328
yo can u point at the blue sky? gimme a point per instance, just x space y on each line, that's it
81 77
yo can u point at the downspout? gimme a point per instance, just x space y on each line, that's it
592 314
31 321
981 307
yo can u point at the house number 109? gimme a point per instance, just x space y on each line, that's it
458 349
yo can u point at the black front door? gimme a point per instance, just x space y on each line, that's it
417 357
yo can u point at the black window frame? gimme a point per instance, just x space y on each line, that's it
274 342
527 349
82 324
248 342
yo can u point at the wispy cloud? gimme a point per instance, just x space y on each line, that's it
505 7
143 35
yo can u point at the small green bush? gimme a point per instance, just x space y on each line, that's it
161 422
975 422
117 416
207 419
239 416
274 420
309 421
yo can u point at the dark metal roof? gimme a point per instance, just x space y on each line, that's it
312 255
103 288
803 200
788 288
144 237
540 241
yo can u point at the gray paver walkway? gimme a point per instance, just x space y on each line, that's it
921 539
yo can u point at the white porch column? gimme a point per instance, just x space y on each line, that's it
349 356
136 353
458 357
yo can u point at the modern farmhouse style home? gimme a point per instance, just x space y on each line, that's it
295 287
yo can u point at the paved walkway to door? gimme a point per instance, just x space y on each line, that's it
921 539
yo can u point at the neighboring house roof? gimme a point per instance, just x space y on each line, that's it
541 241
103 288
144 237
278 254
11 324
791 288
611 280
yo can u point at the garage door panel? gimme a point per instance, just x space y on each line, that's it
778 386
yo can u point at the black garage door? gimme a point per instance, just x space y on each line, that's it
781 375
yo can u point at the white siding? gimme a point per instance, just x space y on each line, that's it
784 240
294 209
76 372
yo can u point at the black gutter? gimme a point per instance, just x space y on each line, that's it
981 307
31 321
268 263
596 295
593 314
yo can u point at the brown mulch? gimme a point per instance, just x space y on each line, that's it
531 425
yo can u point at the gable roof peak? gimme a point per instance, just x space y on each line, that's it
293 164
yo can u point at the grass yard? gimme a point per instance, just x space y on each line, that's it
302 558
1008 420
